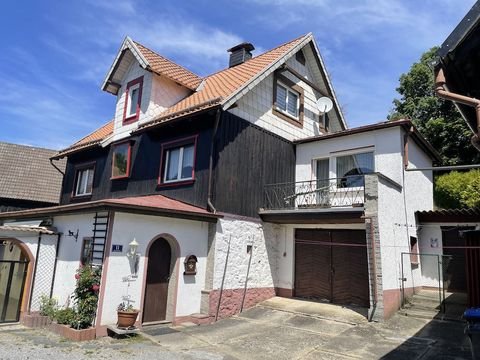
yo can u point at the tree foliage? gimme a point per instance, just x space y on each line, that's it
438 120
458 190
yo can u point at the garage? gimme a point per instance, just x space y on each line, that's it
332 266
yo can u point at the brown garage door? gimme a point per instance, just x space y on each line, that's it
331 265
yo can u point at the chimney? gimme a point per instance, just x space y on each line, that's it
240 53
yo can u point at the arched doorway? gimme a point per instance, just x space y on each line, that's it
14 266
158 276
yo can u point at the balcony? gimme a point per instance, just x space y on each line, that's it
345 192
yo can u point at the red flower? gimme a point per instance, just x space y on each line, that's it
77 276
95 287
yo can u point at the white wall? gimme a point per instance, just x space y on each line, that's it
240 233
385 143
69 253
192 237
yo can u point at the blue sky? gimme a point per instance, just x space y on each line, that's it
55 54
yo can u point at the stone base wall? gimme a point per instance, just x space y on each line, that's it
392 300
231 300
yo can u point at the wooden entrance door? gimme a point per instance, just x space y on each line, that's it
332 265
158 276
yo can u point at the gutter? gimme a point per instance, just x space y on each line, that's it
56 167
442 92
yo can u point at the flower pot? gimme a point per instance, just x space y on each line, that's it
126 319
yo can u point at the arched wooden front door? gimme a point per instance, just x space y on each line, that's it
156 287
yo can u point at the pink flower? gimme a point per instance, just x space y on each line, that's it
77 276
95 287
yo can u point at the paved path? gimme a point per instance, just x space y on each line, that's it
259 333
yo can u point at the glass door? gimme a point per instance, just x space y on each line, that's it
12 283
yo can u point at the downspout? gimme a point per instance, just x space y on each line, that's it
56 167
59 235
210 167
374 256
34 273
442 92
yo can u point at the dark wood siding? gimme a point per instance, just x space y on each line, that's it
145 162
248 157
16 204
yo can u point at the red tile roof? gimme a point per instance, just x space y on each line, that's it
91 139
210 91
158 205
163 66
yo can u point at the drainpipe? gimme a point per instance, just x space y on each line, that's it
210 167
442 92
372 242
34 272
59 235
56 167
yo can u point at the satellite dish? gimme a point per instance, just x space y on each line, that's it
324 104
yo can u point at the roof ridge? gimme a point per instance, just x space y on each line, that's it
163 56
262 54
28 146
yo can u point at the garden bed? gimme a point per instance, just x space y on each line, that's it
36 321
72 334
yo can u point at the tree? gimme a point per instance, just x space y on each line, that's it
458 190
438 120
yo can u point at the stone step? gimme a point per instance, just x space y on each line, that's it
420 314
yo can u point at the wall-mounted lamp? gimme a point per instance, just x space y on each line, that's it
135 257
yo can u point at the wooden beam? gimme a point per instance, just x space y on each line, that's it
295 73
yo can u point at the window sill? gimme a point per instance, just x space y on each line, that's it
175 183
130 120
120 177
80 197
289 118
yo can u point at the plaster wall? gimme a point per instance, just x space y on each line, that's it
385 143
192 238
69 253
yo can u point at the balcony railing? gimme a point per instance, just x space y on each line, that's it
347 191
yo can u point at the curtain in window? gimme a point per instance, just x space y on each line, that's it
350 165
172 169
187 164
134 101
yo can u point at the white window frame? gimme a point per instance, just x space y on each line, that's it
296 93
129 100
348 153
89 170
180 163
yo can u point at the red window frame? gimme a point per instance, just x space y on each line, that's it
77 169
129 156
171 145
132 118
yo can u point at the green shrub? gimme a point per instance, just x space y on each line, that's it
48 306
86 296
65 316
458 190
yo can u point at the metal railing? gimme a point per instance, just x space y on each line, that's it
347 191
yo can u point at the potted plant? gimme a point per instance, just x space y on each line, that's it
127 315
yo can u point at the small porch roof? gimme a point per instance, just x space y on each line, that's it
147 205
467 215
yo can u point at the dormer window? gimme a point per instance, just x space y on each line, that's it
133 100
287 100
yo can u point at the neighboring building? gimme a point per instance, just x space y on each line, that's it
27 179
239 165
459 70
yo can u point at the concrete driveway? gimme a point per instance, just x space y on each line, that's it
277 329
292 329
